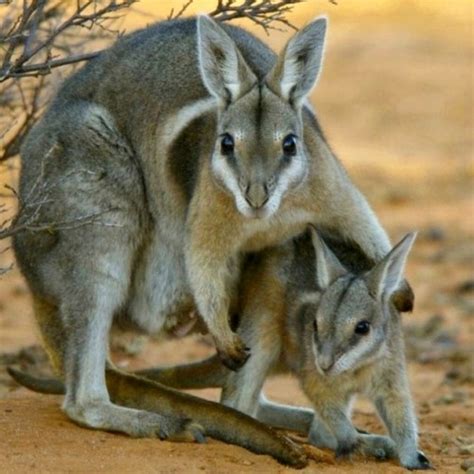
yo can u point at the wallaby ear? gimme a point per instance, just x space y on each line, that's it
224 71
387 276
328 267
298 65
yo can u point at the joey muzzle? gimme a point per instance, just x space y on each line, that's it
326 364
326 359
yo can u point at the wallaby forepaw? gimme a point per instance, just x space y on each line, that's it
234 355
419 462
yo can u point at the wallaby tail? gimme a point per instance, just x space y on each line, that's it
219 422
207 373
51 385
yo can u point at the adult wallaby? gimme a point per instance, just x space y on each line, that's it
194 144
302 311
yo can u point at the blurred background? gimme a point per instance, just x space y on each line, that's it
395 100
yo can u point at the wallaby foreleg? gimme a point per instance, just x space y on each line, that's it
396 411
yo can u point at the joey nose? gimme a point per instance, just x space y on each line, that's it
256 195
326 364
325 360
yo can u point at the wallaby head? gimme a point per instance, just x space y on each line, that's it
351 322
259 154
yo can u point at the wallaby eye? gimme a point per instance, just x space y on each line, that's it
362 328
227 144
289 145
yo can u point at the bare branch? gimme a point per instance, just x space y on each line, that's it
181 11
43 68
36 37
88 14
267 14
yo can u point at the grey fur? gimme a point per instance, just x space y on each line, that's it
135 135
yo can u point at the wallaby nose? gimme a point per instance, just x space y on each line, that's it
256 195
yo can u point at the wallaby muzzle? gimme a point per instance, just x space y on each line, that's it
256 194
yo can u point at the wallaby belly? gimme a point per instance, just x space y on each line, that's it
160 290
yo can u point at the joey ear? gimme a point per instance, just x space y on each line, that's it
387 276
298 65
328 267
224 71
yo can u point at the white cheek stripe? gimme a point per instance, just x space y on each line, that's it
352 359
179 121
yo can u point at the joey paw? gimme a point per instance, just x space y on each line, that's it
419 462
235 355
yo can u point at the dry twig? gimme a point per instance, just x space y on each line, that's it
266 13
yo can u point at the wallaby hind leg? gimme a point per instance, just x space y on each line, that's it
242 389
284 416
87 400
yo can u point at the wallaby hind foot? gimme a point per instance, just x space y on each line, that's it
136 423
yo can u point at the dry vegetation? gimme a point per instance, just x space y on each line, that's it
396 102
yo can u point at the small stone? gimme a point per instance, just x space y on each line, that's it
467 449
465 287
467 464
445 400
433 234
425 408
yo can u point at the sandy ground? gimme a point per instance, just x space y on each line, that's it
396 103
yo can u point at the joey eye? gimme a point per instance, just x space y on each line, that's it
227 144
362 328
289 145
